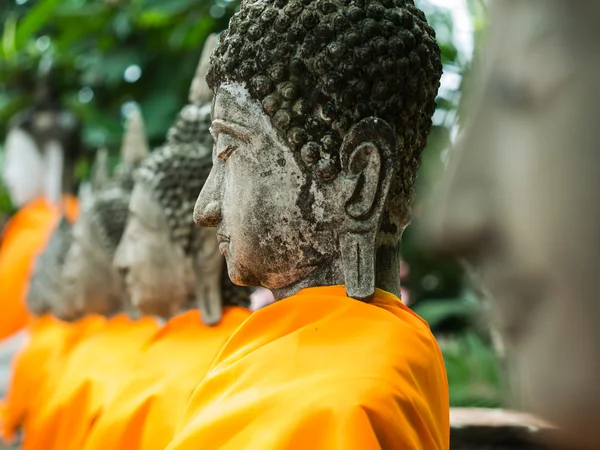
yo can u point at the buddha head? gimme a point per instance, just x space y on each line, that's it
170 264
46 285
42 146
321 111
521 203
92 284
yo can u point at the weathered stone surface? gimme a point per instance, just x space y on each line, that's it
91 282
321 111
171 264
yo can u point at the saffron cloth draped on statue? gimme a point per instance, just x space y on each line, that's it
24 237
145 415
92 375
319 370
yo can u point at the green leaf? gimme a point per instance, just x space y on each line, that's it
9 48
38 16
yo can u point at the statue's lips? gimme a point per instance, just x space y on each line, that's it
223 241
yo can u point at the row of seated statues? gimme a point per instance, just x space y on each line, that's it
292 168
129 315
300 174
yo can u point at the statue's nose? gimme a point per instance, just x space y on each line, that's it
207 212
209 215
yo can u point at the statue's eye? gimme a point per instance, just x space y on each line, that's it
225 154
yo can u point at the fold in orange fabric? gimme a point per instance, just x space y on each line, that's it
50 367
318 371
92 375
24 237
29 371
145 415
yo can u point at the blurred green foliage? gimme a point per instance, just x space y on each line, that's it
111 53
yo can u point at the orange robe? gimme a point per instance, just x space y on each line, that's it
47 336
92 375
145 415
24 237
44 372
322 371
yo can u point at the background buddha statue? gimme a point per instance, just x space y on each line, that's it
101 362
42 146
46 284
173 270
521 203
47 338
170 264
92 283
321 111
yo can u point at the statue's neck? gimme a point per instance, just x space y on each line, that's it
387 274
387 269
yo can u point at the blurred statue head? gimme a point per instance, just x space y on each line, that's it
42 146
170 264
46 284
522 202
92 283
321 111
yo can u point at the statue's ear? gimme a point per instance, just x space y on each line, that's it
368 168
208 292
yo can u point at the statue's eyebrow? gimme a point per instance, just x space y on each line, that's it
233 129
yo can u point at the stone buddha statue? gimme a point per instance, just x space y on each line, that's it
42 146
170 264
173 270
92 284
46 284
46 338
327 110
321 111
100 363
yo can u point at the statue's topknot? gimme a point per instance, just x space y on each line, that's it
319 66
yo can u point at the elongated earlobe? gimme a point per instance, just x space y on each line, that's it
358 259
209 295
368 169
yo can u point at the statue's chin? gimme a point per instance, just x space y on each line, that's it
241 275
